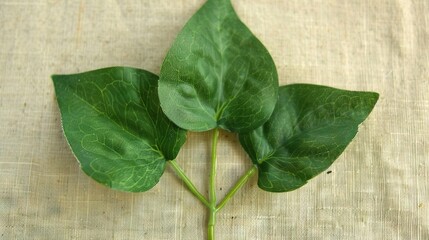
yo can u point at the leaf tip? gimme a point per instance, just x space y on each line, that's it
375 96
55 77
373 99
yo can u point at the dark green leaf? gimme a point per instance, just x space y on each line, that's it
218 74
310 127
114 124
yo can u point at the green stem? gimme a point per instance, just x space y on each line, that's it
237 187
179 171
212 188
211 203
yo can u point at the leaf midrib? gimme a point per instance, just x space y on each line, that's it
220 107
286 142
116 123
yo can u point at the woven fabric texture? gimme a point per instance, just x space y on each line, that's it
377 189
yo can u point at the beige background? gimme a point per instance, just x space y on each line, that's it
378 188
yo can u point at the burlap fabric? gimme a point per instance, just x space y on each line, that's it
378 189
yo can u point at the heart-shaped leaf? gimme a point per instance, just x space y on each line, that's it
114 124
309 128
218 74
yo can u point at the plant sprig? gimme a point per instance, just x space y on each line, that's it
125 124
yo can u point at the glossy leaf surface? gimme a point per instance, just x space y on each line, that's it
218 74
310 127
114 124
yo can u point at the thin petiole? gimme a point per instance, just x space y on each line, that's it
212 188
237 187
212 201
179 171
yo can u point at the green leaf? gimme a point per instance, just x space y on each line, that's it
114 124
218 74
310 127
